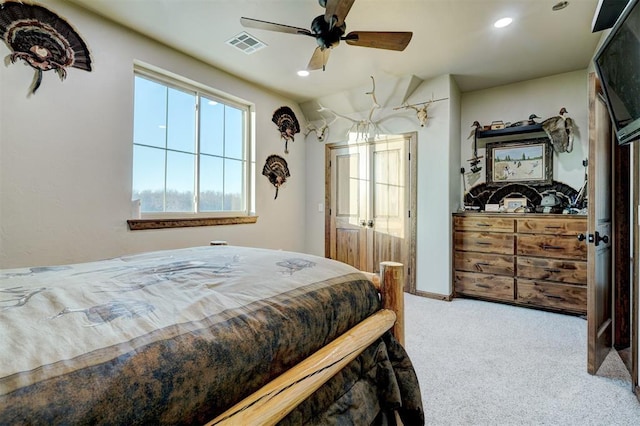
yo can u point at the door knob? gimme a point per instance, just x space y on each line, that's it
363 222
581 237
370 224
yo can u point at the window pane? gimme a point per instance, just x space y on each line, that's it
181 127
233 133
233 185
166 174
211 191
148 178
150 113
211 127
180 183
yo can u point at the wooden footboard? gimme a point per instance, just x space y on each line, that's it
279 397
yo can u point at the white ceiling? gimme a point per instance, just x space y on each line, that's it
449 37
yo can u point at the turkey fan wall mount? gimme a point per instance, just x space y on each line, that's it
42 39
329 29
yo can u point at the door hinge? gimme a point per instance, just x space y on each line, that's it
409 213
596 238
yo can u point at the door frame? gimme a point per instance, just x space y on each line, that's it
635 285
412 201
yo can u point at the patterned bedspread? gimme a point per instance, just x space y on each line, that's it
173 337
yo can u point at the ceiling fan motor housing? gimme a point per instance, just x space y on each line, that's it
326 36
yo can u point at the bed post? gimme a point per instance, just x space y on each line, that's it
392 293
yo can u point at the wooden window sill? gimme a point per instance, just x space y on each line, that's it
143 224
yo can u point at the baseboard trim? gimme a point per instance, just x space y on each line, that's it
435 296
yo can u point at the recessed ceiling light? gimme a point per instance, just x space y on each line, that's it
501 23
303 73
560 5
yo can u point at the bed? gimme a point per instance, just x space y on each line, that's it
204 335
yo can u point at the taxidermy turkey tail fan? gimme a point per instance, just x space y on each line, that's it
287 123
329 29
42 39
276 170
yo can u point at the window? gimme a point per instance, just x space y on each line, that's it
190 150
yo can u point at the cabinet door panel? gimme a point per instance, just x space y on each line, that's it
566 271
484 285
560 296
487 263
550 246
484 242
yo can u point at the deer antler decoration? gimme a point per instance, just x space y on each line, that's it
322 131
366 128
421 111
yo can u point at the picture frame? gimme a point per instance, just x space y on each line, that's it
527 161
512 204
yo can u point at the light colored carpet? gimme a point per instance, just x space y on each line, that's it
482 363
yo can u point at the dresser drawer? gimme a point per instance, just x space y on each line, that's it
484 285
560 296
483 242
554 226
565 271
483 224
550 246
488 263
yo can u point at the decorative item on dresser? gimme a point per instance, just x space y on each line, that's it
535 260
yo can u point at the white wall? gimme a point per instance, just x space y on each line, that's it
66 156
515 102
438 164
443 148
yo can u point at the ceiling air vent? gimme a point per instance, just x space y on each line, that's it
246 42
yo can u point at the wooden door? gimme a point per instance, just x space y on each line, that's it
349 206
370 190
599 285
388 204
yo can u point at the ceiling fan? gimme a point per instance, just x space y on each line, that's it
329 29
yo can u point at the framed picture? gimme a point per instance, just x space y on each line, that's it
512 204
528 161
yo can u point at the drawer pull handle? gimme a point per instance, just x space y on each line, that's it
480 265
482 224
553 227
552 270
551 296
483 243
482 285
550 247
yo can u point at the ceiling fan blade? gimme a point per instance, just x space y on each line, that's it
319 59
389 40
271 26
339 9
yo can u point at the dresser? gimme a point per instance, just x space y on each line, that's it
535 260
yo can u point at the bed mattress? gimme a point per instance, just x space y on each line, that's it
168 337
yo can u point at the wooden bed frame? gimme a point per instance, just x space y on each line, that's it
279 397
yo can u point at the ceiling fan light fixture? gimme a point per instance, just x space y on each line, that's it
503 22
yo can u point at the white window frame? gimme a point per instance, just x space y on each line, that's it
181 83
